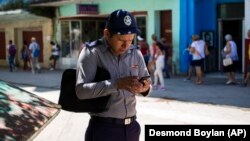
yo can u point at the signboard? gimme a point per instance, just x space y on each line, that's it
87 9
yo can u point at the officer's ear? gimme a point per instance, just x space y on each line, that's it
106 33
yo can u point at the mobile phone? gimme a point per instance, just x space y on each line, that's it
143 78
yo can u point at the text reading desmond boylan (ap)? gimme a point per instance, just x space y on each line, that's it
190 132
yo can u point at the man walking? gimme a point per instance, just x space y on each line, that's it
35 51
12 52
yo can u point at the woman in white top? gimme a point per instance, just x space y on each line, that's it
197 50
159 66
230 51
55 51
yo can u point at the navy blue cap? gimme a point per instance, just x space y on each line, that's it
122 22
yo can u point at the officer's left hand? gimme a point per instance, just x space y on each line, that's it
144 87
139 87
132 84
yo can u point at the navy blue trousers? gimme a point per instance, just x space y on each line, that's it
102 131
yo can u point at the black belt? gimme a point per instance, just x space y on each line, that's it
125 121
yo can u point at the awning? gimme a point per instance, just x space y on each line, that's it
58 3
20 16
89 16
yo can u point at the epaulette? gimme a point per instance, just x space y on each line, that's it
134 47
94 43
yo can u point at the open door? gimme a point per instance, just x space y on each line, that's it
39 38
2 45
233 27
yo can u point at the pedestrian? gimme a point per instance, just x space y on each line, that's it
144 47
35 51
124 62
230 51
152 51
12 53
197 49
166 47
190 68
55 52
25 55
246 79
159 61
190 62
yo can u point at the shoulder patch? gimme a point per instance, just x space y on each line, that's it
134 47
93 44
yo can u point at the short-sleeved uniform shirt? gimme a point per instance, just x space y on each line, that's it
98 54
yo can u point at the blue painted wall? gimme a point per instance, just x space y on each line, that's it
187 27
197 16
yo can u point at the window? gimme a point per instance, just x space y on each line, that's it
77 31
71 38
142 25
75 37
65 46
92 30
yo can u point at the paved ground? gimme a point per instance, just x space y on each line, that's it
213 91
182 103
71 126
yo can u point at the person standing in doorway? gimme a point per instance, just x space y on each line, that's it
230 51
35 51
124 62
12 53
166 47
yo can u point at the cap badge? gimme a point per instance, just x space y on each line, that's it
127 20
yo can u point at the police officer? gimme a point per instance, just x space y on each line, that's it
124 62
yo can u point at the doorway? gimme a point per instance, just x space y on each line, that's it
166 32
233 27
28 34
2 46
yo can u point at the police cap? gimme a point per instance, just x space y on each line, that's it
122 22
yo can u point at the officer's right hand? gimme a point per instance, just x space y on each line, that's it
129 83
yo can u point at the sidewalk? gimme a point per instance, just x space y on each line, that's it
223 104
47 78
213 91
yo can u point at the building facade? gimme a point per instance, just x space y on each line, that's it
20 26
212 20
84 21
81 21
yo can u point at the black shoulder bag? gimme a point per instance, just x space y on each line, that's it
69 101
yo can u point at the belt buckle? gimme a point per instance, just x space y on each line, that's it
127 121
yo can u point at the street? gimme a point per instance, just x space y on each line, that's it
71 126
182 103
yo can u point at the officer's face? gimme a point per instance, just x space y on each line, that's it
119 44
